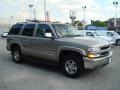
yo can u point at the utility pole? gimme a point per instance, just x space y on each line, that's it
84 10
10 21
34 14
45 10
115 21
31 6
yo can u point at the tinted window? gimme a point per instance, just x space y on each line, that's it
118 33
110 34
15 29
89 34
28 30
42 29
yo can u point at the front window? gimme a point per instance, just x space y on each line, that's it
64 30
42 29
116 34
110 34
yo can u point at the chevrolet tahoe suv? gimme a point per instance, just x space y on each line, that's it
59 44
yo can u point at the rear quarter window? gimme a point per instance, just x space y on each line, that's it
15 29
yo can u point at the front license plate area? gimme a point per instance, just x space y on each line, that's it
109 59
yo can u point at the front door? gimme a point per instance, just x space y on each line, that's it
42 46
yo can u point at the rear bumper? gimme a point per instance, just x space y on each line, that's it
99 62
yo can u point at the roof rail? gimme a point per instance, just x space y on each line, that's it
33 22
38 21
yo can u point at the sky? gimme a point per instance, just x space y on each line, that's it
58 9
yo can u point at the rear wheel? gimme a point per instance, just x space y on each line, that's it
16 55
72 65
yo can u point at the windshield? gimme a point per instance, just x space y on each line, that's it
116 34
64 30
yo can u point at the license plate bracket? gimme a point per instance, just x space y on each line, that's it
109 59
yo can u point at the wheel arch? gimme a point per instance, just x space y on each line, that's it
117 40
13 45
65 52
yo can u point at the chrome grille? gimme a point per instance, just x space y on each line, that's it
104 53
105 47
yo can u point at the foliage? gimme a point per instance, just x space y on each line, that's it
78 23
99 23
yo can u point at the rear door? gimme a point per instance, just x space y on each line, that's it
26 38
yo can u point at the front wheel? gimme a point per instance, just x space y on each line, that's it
72 65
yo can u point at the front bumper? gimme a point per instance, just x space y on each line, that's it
98 62
112 42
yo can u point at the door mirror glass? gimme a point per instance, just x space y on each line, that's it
48 35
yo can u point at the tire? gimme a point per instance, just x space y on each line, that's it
16 55
118 42
72 65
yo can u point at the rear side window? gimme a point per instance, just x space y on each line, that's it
89 34
15 29
28 30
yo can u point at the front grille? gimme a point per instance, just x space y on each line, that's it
105 47
104 53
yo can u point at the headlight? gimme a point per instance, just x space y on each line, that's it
93 55
93 52
93 49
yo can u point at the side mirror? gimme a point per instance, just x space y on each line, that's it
48 35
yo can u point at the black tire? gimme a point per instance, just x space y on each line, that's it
118 42
78 62
16 51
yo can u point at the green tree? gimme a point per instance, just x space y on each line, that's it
78 23
99 23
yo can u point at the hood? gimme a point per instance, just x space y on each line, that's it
104 38
117 37
89 41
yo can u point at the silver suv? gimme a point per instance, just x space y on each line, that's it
57 43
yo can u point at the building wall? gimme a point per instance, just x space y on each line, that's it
111 25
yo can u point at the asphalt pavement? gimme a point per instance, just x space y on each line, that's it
36 76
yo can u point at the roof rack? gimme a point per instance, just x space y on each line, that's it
38 21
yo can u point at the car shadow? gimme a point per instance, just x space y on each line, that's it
43 66
53 68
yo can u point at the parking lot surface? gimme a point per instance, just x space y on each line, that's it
36 76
